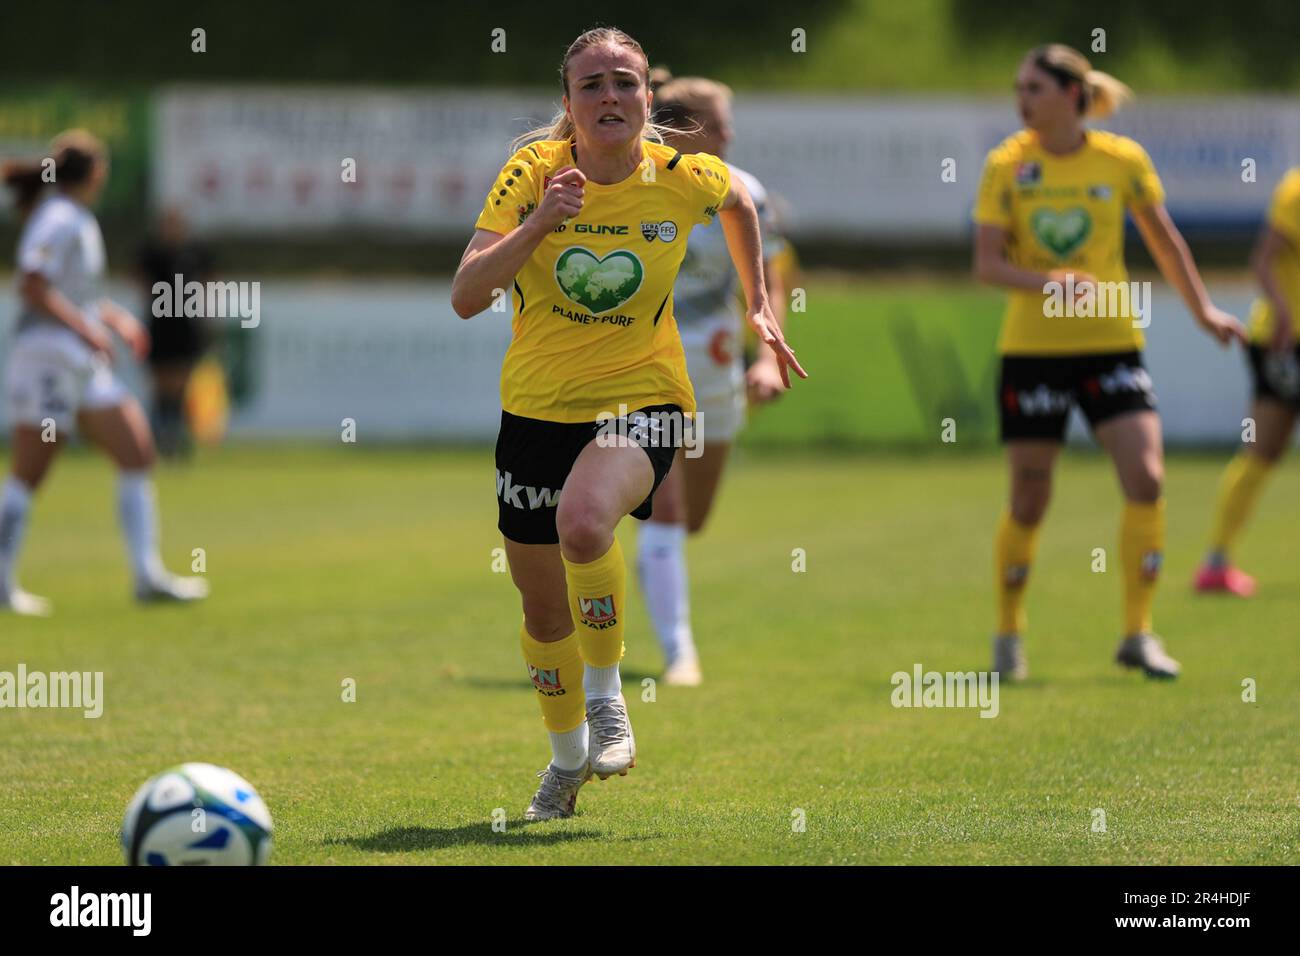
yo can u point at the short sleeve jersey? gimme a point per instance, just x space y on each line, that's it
62 242
1063 212
1284 216
594 325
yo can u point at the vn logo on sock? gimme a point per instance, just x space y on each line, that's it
1016 575
598 612
1151 562
546 681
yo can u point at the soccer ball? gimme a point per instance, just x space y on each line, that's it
196 815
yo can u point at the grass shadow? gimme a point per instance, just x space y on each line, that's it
517 834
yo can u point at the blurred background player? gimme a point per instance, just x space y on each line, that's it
1275 370
1050 205
176 342
586 340
59 370
709 319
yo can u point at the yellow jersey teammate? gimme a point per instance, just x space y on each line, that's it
1275 371
1050 226
587 228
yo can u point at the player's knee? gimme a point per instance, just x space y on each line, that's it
1029 511
1029 501
582 530
1146 484
546 621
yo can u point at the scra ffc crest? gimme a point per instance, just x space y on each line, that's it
666 230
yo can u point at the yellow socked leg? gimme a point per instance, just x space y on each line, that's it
1142 545
556 670
1014 550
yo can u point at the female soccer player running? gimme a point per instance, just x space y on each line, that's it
709 319
588 227
1050 209
59 370
1275 368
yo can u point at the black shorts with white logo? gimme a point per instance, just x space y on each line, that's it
1276 375
533 460
1036 392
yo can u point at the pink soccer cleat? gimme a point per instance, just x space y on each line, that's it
1226 579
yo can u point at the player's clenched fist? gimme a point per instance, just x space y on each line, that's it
563 197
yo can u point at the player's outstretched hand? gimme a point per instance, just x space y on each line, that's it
1222 325
768 329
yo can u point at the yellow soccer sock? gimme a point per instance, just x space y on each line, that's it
556 670
1142 546
596 595
1238 490
1014 550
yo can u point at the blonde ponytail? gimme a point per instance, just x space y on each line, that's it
1100 94
1105 94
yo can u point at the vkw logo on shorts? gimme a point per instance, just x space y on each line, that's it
597 612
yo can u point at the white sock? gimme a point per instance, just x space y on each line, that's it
601 681
661 570
15 503
137 510
569 750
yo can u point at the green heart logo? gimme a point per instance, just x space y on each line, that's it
598 284
1061 232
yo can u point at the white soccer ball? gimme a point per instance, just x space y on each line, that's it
196 815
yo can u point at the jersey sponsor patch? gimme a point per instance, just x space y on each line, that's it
1061 231
598 283
1029 174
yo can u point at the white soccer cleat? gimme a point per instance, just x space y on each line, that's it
19 601
1146 651
171 587
1009 660
557 797
613 748
684 673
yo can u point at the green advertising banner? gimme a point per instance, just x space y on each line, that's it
30 118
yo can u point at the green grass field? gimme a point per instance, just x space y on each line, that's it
377 565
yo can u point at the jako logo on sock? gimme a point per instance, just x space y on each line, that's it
597 612
546 681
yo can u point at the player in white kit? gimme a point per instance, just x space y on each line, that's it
59 372
710 324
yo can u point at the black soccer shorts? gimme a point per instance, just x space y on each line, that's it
533 459
1036 392
1276 375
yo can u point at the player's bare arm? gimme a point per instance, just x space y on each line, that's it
740 226
1169 249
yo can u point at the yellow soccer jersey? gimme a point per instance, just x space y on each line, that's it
1284 216
593 321
1063 212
